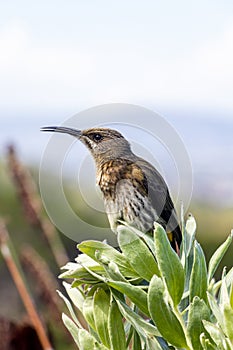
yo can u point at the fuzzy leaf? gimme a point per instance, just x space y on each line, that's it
70 308
142 327
187 248
75 295
153 344
215 309
231 295
190 229
206 343
137 345
198 280
72 328
101 308
228 321
116 328
224 297
134 293
145 237
217 335
217 257
197 313
91 247
137 253
229 278
169 263
77 270
164 318
113 272
88 311
82 274
88 342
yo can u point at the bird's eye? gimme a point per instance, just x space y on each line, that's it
97 137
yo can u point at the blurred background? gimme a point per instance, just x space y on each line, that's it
57 59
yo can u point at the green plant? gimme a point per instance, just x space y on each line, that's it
146 297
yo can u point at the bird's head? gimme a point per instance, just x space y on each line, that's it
103 143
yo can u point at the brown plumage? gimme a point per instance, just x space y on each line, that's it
133 190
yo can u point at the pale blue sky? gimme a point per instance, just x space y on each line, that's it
58 55
174 57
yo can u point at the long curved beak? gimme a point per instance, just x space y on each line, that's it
62 129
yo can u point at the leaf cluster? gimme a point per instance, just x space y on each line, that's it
146 297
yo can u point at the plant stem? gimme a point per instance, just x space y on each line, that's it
28 303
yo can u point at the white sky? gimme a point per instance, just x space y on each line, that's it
82 53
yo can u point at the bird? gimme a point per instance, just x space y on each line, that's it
133 189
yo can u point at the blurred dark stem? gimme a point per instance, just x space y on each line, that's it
28 194
44 281
45 284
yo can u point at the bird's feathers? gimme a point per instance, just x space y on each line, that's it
136 192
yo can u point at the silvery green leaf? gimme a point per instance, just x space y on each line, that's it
190 231
164 318
214 287
77 270
91 247
88 342
215 309
113 272
169 263
224 297
217 257
101 306
146 238
153 344
134 293
88 311
70 308
231 295
142 326
69 266
75 295
137 343
206 343
198 311
116 328
217 335
137 253
228 321
229 278
198 279
72 328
